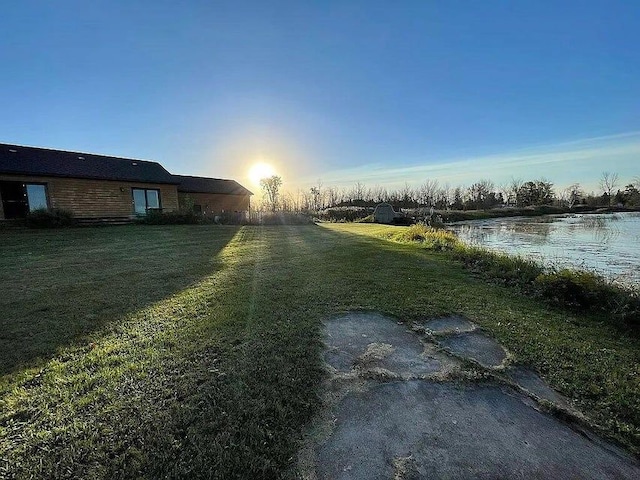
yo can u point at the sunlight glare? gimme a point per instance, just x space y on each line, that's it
260 171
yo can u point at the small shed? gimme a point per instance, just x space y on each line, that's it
384 213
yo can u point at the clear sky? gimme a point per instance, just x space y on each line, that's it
341 91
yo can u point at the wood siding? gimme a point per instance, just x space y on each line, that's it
96 198
215 203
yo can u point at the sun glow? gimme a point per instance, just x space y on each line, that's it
260 171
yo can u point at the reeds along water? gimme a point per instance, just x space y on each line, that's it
608 244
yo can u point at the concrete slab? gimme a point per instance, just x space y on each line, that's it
415 424
475 346
369 341
453 324
530 381
441 430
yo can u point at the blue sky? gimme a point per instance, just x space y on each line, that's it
378 92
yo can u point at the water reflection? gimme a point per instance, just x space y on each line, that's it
606 243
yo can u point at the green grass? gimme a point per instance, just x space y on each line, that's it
194 351
574 289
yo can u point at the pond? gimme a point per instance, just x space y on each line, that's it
608 244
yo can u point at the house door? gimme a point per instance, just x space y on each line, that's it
18 199
14 200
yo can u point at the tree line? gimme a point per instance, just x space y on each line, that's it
481 195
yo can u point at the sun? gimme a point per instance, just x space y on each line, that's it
260 171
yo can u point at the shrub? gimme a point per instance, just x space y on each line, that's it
229 218
344 214
368 219
280 218
50 218
582 290
183 217
431 238
511 270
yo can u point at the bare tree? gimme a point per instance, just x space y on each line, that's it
406 196
444 197
427 192
571 195
271 187
343 195
512 191
379 194
608 182
287 202
314 199
356 193
332 197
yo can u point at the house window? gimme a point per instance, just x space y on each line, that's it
36 196
145 199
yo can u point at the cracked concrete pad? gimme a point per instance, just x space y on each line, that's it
441 430
413 427
452 324
476 346
373 341
530 381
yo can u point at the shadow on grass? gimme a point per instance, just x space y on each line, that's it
60 286
219 376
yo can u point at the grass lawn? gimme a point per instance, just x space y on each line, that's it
194 351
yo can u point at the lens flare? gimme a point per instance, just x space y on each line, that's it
260 171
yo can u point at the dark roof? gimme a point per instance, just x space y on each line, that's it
19 160
189 184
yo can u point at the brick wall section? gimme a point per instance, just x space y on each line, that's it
215 203
96 198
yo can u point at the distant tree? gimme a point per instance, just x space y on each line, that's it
357 194
630 197
482 195
608 182
427 192
535 193
406 196
379 194
571 195
315 199
271 188
457 203
441 199
332 197
511 191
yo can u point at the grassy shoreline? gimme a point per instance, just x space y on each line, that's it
575 289
153 351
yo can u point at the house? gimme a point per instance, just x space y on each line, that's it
212 196
101 187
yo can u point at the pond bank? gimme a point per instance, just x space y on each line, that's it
607 244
